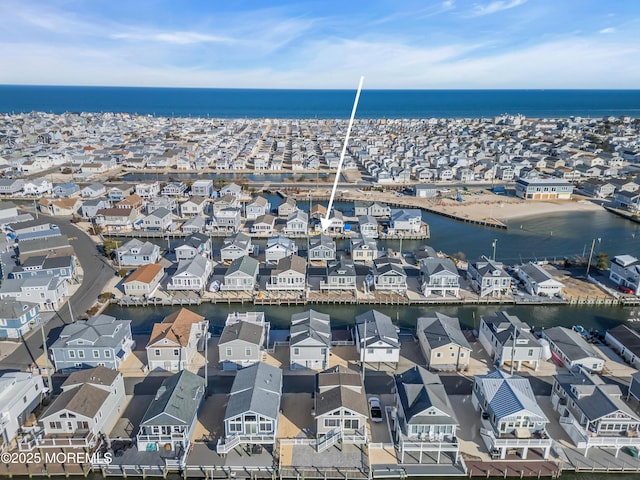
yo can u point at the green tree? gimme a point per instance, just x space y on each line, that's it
602 261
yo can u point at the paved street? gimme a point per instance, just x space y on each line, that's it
96 273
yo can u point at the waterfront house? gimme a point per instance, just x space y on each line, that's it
363 249
116 194
224 202
290 274
243 341
47 292
17 318
231 189
93 190
239 245
341 275
174 342
242 275
161 202
287 207
157 221
572 350
310 340
263 225
388 274
439 276
225 220
376 338
102 340
20 394
279 247
115 219
171 417
368 226
11 186
425 420
489 277
405 220
202 188
321 247
144 280
31 229
442 342
63 266
259 207
194 244
64 190
297 223
174 189
88 406
194 206
147 190
194 225
191 274
90 207
60 207
537 281
624 270
373 209
253 409
626 342
425 190
543 189
511 416
340 408
593 412
318 212
37 187
507 339
598 188
136 253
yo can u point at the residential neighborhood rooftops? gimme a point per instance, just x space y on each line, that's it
175 327
176 401
256 388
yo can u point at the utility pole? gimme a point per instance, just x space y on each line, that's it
495 242
363 346
514 335
46 357
206 359
593 244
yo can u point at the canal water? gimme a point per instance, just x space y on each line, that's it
536 238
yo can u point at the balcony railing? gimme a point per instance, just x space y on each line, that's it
517 442
163 438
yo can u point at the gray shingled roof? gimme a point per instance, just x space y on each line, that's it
310 324
244 264
378 328
502 325
99 331
571 343
246 331
10 308
419 391
257 389
440 329
177 400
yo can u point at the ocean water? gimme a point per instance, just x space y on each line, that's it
257 103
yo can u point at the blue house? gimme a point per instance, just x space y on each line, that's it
42 266
16 318
65 190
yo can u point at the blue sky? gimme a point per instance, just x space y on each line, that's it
322 44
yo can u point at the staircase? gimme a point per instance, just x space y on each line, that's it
223 447
328 440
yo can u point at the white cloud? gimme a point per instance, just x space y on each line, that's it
176 38
495 7
607 30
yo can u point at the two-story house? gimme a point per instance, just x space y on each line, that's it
243 341
20 394
239 245
290 274
341 275
144 280
242 275
439 276
389 274
136 253
489 277
279 247
310 342
191 275
443 344
17 318
624 270
376 339
194 244
321 248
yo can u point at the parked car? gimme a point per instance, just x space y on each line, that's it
375 409
624 289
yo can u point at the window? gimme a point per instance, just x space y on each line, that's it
157 352
389 351
461 354
80 353
247 352
353 423
176 352
24 399
96 354
228 351
55 425
72 354
438 354
331 422
107 353
296 351
530 353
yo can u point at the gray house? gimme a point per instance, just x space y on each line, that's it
489 277
426 421
572 349
171 416
194 244
20 394
191 274
243 340
100 341
260 206
508 339
341 275
322 247
158 221
239 245
91 207
241 275
310 342
289 274
136 253
439 276
279 247
253 408
377 339
297 223
90 403
388 274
